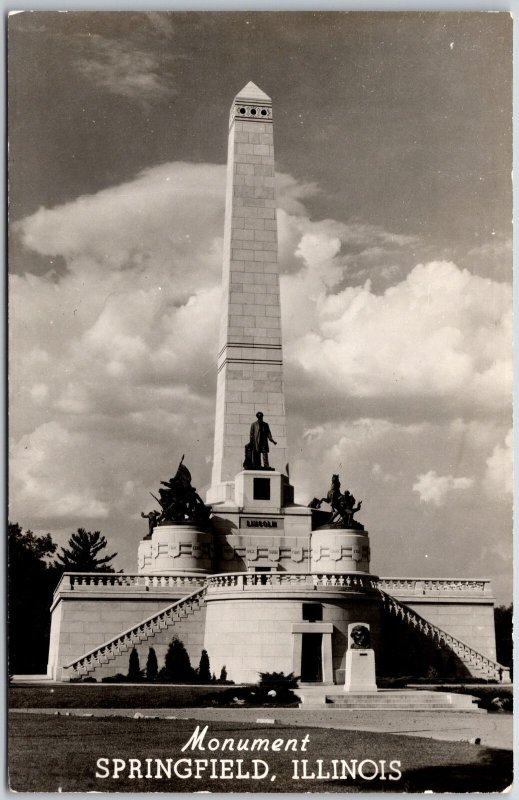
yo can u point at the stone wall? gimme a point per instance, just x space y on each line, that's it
471 623
258 635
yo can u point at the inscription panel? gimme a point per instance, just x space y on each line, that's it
251 523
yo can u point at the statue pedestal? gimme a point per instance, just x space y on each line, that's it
259 490
360 671
176 548
340 550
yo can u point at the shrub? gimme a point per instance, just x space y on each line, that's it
118 678
177 665
152 666
270 679
134 667
204 671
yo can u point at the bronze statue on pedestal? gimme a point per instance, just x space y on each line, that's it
179 502
343 506
258 446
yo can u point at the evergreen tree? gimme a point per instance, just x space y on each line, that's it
134 667
223 675
152 667
503 618
30 585
177 666
204 671
82 552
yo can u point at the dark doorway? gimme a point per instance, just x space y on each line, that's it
311 658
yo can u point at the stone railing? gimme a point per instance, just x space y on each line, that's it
289 581
129 582
476 663
436 587
188 582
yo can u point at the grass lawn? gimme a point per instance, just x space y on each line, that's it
101 695
57 753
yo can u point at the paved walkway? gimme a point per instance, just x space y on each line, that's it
493 730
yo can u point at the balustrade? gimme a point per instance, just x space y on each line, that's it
130 582
409 587
420 587
285 581
472 658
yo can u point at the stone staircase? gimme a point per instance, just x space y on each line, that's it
395 700
134 636
478 665
335 698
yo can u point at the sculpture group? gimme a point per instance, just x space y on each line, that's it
179 502
343 506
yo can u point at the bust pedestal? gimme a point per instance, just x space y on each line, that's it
360 674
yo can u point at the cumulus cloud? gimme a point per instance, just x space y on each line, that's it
434 488
499 472
41 484
440 333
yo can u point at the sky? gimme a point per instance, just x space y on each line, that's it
392 137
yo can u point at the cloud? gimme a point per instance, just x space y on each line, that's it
37 463
434 488
440 333
123 69
492 259
499 472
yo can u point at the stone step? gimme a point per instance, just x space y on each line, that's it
406 707
388 700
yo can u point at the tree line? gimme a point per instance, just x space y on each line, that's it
34 569
177 668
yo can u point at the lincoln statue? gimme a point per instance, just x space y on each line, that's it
260 436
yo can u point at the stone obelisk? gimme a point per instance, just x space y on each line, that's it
250 364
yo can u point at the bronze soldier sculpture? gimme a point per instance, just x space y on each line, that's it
153 517
260 436
343 506
179 501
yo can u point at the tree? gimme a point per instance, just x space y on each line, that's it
30 585
134 667
223 675
204 670
177 666
503 618
152 667
82 553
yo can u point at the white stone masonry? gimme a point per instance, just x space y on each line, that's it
250 364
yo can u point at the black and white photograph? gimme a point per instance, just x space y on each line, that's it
260 401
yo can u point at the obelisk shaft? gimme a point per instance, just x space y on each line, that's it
250 366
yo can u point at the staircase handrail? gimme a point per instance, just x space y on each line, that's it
451 641
154 617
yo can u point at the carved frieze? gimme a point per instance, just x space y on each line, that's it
297 554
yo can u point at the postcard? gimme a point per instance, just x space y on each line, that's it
260 371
